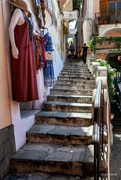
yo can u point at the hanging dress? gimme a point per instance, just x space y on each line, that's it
23 68
39 52
49 79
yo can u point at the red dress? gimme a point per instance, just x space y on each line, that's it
23 68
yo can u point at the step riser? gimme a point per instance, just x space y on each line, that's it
79 68
70 99
76 76
75 82
64 121
59 139
67 71
79 87
68 168
75 73
87 93
62 108
72 78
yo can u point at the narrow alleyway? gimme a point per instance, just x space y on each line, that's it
50 118
60 140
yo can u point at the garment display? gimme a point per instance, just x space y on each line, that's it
49 79
23 68
39 51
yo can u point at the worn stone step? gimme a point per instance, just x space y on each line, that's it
59 134
69 98
67 107
44 176
55 159
76 66
64 118
76 75
79 86
74 78
76 82
70 70
87 92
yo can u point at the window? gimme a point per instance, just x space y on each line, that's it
114 9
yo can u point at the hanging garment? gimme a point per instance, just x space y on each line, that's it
39 52
49 79
23 68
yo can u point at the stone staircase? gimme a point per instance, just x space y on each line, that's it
59 145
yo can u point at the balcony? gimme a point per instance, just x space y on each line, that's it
108 18
111 18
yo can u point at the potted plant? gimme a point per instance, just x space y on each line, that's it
100 20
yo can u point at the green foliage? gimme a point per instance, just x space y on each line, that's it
99 40
77 5
111 72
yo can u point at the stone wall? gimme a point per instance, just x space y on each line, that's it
7 148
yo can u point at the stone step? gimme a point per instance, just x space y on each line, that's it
43 176
75 73
60 134
76 82
75 66
78 87
75 70
67 107
69 98
64 118
55 159
74 78
65 91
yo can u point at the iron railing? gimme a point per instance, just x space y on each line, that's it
112 17
97 136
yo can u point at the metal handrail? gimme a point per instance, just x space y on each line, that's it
98 121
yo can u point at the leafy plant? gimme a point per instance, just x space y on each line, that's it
111 72
77 5
100 18
109 40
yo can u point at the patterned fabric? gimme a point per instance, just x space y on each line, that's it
39 52
49 79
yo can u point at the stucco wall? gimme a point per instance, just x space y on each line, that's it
113 29
5 115
89 9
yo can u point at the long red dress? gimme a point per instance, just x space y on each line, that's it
23 68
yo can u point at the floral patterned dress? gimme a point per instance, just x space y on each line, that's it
49 79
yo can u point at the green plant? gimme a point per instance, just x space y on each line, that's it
109 40
111 72
100 18
77 5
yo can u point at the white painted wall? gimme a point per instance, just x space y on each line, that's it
90 8
103 29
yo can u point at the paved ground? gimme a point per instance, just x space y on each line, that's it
115 162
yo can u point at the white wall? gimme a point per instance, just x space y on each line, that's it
103 29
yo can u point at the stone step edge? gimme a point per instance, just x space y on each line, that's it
64 118
72 168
